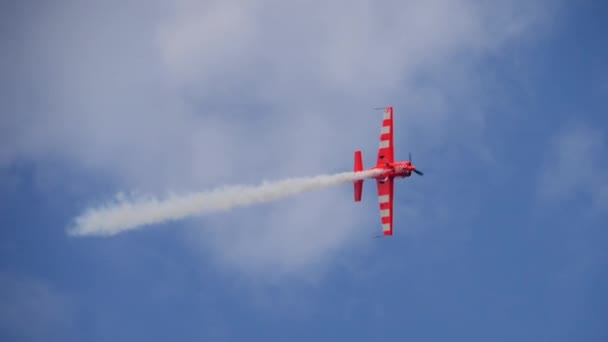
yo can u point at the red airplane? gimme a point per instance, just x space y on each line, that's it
392 169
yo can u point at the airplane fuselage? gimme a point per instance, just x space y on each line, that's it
396 169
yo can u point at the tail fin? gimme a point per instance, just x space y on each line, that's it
358 183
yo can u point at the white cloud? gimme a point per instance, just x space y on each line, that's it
197 94
31 310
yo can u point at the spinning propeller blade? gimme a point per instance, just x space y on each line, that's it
415 171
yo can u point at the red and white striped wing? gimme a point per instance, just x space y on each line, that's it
386 152
385 199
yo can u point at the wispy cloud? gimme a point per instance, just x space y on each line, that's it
575 166
32 310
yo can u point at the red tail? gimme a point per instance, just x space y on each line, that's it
358 183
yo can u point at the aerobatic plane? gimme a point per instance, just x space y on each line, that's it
392 169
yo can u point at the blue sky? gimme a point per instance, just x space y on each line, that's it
502 106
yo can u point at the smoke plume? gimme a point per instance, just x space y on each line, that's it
125 214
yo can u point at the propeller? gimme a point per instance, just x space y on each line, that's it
414 168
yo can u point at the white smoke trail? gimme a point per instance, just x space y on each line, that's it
125 214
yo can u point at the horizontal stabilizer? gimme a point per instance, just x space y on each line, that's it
358 184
